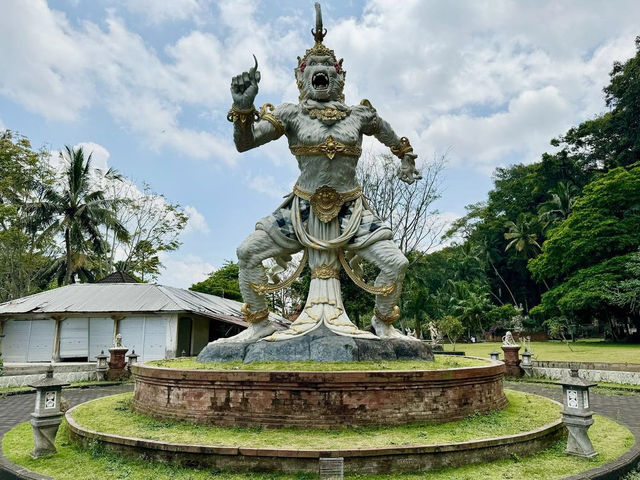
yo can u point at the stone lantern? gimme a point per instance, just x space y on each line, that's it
47 415
495 355
526 364
576 414
132 359
101 365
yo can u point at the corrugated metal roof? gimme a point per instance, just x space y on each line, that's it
126 297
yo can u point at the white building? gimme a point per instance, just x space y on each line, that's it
76 322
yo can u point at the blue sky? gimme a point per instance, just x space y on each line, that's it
147 84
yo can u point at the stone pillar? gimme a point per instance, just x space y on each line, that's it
117 361
512 360
47 415
55 354
577 415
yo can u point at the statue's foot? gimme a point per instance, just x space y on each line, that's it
386 332
253 333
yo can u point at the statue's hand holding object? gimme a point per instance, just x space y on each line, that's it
244 87
408 172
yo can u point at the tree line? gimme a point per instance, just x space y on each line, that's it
63 221
554 247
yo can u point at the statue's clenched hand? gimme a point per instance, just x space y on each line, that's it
244 87
408 172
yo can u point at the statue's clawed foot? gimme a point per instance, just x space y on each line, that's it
382 324
253 333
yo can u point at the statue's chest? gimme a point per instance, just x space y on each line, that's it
312 131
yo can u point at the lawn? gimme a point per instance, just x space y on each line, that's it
112 414
610 440
581 351
439 363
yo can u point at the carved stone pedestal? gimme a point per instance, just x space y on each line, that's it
117 363
512 360
45 429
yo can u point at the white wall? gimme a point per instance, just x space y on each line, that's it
28 340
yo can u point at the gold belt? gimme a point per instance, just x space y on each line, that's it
326 201
330 147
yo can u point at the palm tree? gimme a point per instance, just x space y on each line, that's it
559 206
523 235
76 209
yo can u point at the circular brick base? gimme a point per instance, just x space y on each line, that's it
380 460
317 399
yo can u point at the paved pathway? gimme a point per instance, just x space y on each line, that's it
624 409
16 409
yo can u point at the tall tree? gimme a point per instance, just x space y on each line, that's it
76 209
407 209
24 251
154 224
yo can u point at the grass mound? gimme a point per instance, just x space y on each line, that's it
112 414
609 438
441 362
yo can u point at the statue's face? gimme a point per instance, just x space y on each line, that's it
320 78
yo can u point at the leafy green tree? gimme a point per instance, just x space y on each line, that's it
605 222
451 327
77 209
24 250
559 206
592 253
223 282
523 235
154 224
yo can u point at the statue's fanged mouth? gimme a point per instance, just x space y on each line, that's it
320 81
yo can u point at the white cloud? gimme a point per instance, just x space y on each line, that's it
183 270
528 124
268 185
431 68
197 223
2 127
99 154
176 10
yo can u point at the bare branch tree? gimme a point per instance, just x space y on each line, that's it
408 209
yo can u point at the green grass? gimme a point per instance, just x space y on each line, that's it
70 463
441 362
581 351
112 415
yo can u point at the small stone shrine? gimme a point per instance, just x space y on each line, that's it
577 415
46 418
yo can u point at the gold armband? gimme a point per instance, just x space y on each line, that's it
402 148
245 117
269 117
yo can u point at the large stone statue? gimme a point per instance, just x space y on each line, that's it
326 215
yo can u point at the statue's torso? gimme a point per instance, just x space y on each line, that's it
338 172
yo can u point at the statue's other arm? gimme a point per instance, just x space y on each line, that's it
400 147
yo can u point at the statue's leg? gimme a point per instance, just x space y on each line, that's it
252 251
393 265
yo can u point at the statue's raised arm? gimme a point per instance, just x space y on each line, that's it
250 127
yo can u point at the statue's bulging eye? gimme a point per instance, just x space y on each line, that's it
312 63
